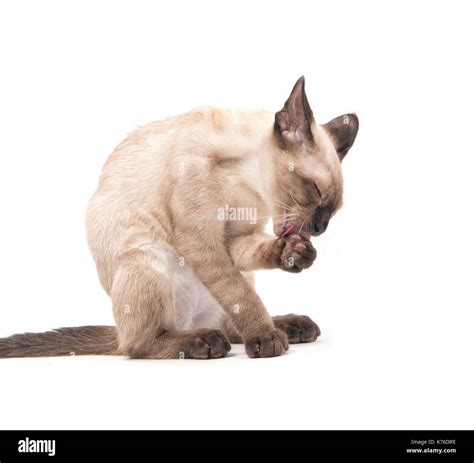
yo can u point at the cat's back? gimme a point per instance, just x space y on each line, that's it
190 138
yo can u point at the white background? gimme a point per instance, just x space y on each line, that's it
392 286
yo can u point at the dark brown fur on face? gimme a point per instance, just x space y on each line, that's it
310 199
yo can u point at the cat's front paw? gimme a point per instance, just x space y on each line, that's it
270 344
297 253
298 328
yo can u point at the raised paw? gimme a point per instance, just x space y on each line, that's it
270 344
297 253
298 328
205 344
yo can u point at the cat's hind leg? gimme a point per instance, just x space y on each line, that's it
143 301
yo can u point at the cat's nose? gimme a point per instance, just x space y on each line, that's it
320 225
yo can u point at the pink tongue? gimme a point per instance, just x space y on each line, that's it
289 230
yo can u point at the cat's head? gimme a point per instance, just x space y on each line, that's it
308 185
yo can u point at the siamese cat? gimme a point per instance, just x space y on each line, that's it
176 228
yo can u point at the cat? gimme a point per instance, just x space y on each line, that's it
176 228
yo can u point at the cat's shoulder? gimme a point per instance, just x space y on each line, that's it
220 120
215 118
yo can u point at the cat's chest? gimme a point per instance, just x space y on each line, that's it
236 228
243 218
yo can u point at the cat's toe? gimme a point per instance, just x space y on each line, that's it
297 254
272 344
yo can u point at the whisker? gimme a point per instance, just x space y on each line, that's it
284 204
270 216
296 204
293 214
270 204
277 203
285 217
302 225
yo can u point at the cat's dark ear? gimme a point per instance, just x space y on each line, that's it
343 131
293 122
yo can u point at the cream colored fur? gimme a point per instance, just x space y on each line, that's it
176 228
161 253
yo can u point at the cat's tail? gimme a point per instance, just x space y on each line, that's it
83 340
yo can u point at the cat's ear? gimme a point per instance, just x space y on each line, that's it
343 131
293 122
